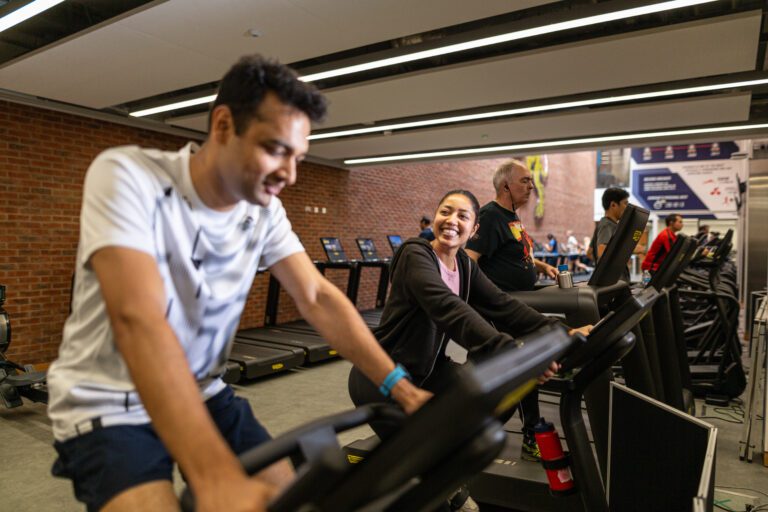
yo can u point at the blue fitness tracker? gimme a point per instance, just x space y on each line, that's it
393 378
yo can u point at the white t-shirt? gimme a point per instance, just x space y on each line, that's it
572 245
144 200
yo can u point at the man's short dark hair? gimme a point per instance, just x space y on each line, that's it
672 217
426 220
247 82
613 195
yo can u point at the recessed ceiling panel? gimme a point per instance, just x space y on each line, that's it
658 115
699 49
182 43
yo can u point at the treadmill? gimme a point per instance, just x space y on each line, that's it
372 259
587 303
299 334
667 342
303 342
524 486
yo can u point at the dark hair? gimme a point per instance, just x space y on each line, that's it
704 227
672 217
246 83
613 195
469 195
426 220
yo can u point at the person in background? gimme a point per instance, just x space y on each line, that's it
426 230
574 250
504 251
702 236
663 243
553 248
615 201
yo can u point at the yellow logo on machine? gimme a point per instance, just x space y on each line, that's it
333 352
636 235
354 459
277 366
513 397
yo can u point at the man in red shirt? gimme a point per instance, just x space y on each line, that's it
663 243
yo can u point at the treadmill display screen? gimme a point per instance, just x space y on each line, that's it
395 242
367 249
333 250
613 263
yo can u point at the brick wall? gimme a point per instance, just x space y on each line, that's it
44 155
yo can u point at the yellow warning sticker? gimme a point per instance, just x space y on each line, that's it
277 366
333 352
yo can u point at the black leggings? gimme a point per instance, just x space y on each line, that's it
362 391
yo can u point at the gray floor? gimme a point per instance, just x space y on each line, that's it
281 402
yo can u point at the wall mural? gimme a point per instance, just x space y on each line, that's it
540 171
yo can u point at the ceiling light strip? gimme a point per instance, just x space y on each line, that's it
24 13
174 106
538 108
502 38
555 143
505 38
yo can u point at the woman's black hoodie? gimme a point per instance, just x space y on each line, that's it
422 313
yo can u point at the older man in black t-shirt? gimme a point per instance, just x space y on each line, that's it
504 251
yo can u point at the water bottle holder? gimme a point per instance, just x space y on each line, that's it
561 463
558 464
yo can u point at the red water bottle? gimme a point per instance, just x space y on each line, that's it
555 462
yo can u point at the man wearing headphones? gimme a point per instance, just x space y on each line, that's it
504 251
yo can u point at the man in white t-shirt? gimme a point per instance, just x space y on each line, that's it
169 245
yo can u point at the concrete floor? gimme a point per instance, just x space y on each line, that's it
281 403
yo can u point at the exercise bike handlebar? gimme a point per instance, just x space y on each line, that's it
258 458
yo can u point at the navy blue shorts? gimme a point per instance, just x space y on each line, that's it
109 460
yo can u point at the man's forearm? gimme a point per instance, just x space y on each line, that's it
339 323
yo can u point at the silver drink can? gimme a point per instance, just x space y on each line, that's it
565 280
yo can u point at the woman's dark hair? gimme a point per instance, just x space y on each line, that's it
469 195
247 82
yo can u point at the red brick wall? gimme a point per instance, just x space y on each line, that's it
44 155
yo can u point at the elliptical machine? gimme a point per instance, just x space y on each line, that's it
17 381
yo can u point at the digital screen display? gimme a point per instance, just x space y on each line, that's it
333 250
367 249
395 242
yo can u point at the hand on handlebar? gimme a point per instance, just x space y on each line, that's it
242 494
549 372
410 397
585 330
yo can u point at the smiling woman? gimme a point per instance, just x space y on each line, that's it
438 294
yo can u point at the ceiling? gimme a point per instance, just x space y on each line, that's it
157 52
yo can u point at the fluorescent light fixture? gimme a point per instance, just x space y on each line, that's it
24 13
556 143
469 45
174 106
537 108
505 38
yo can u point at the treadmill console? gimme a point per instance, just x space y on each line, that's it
394 242
611 327
333 250
367 249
